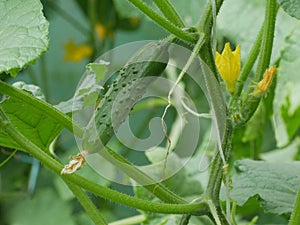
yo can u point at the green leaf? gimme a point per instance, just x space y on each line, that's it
99 69
24 34
45 207
276 184
286 103
89 90
291 7
34 125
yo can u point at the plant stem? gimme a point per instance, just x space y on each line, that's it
44 107
295 217
251 102
205 26
130 221
248 64
8 158
160 191
140 177
90 186
206 22
44 75
182 34
216 173
214 212
268 36
87 204
92 19
169 12
68 17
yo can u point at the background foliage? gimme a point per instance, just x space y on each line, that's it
30 194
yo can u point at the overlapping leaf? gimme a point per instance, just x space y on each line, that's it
276 184
23 34
32 123
291 7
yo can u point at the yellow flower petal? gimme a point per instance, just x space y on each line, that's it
76 53
100 31
265 83
229 64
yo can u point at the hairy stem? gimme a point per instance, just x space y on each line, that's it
251 102
87 204
249 64
216 173
268 36
90 186
160 191
169 12
140 177
182 34
42 106
130 220
205 26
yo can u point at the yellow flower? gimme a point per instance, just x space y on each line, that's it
229 64
76 53
265 83
100 31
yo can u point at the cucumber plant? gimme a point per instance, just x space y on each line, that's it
242 104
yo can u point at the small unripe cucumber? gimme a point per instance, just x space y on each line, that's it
125 90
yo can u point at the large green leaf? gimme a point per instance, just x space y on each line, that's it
287 102
291 7
33 124
23 34
276 184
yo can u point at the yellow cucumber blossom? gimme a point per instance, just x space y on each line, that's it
265 83
229 64
100 31
76 53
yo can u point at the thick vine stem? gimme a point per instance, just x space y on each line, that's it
205 26
206 22
247 67
87 204
169 12
268 37
90 186
42 106
251 102
160 191
166 24
216 174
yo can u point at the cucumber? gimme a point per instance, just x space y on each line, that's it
129 86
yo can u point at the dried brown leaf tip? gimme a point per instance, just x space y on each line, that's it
76 163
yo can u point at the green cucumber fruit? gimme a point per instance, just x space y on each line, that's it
129 86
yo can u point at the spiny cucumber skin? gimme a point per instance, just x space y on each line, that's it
128 87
